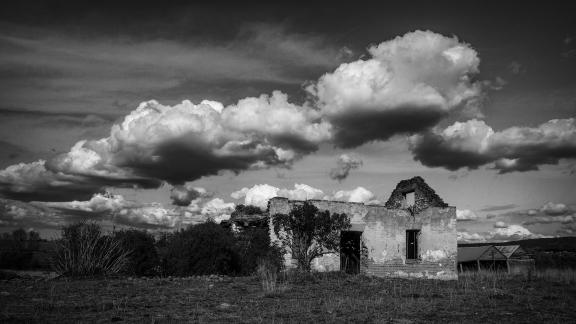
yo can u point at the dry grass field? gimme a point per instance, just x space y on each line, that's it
546 297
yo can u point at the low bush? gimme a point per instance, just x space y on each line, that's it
199 250
143 259
253 247
84 251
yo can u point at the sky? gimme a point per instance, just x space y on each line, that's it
161 115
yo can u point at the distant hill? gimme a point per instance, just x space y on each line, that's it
557 244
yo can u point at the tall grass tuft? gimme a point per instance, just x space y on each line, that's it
267 272
84 251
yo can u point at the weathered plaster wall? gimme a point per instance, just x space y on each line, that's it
384 237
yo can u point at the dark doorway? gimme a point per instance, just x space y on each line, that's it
412 244
350 251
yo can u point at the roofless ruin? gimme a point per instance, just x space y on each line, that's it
412 235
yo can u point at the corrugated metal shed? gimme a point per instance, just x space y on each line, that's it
479 253
513 251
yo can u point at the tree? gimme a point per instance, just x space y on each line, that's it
309 233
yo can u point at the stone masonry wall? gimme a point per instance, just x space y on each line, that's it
384 237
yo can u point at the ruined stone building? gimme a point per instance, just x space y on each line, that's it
412 235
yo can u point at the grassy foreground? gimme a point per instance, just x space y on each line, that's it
546 297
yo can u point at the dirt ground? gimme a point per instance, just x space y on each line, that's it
325 298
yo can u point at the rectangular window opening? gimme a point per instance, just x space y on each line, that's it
410 199
412 244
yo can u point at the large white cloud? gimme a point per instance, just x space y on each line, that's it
473 143
409 84
178 143
258 195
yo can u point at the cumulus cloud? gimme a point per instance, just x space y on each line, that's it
511 232
466 215
98 204
116 208
500 224
472 144
554 209
550 213
358 195
15 213
176 144
218 210
566 219
463 236
344 164
185 194
259 195
407 85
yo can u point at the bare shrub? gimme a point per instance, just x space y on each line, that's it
84 251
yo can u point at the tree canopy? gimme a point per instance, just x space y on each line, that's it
309 233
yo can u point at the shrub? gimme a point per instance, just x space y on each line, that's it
143 259
18 250
253 247
84 251
198 250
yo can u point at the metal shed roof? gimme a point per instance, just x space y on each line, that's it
507 250
513 251
482 253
